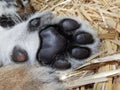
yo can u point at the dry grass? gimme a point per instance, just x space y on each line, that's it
102 70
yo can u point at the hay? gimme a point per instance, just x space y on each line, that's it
104 17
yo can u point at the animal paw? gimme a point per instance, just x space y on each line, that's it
65 40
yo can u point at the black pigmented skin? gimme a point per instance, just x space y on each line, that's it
83 38
6 21
62 64
79 52
69 25
52 44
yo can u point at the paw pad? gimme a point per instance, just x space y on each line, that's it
52 44
69 25
6 21
83 38
19 55
63 39
80 52
61 64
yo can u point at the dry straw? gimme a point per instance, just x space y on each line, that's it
102 71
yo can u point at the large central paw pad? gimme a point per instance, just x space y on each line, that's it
67 38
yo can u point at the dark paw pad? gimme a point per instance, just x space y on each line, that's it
80 52
6 21
83 38
52 44
69 25
19 55
61 64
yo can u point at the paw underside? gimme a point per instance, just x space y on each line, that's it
68 38
61 40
